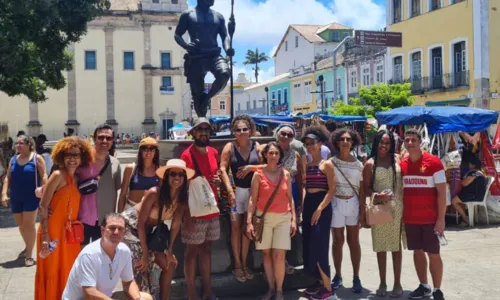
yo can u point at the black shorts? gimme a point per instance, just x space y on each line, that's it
91 233
422 237
468 197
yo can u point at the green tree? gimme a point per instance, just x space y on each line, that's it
34 36
380 97
255 58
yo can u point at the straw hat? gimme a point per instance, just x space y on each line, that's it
148 142
175 163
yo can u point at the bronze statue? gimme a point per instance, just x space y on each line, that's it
204 25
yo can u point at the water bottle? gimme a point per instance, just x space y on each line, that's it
234 214
442 240
52 247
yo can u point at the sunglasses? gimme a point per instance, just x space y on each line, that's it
346 139
240 130
177 174
104 137
72 155
287 135
19 143
148 149
203 129
310 144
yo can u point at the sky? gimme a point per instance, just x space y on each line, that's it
262 23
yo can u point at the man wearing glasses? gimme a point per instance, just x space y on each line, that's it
105 172
101 264
199 233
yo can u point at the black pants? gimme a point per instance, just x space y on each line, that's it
91 233
316 239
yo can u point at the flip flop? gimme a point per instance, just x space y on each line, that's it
248 273
269 295
239 274
397 292
382 290
29 262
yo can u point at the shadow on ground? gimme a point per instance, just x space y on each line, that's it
6 218
13 264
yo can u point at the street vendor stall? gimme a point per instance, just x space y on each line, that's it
444 130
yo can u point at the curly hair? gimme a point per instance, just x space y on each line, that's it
318 131
87 154
165 188
266 149
335 138
392 152
247 119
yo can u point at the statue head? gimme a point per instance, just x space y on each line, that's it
206 3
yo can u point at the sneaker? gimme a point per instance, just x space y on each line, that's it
420 292
336 282
313 290
356 285
438 295
324 294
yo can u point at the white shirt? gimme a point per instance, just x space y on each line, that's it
94 268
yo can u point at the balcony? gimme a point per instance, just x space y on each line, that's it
435 82
167 90
450 81
417 86
457 79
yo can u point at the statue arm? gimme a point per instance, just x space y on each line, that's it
181 29
223 34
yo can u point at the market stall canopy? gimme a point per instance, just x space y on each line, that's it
181 127
333 117
440 119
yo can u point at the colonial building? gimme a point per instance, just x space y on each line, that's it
221 103
448 50
128 72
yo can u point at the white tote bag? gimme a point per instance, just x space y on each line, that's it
201 198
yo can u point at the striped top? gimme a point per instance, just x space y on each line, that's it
315 179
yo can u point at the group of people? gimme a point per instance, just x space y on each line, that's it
316 183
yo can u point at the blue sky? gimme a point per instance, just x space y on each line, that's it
262 23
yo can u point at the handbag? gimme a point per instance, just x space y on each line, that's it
74 229
258 221
377 214
159 238
201 200
90 186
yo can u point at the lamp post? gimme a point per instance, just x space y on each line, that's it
267 101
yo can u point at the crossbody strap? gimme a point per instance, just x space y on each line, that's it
108 161
196 167
36 171
268 204
341 172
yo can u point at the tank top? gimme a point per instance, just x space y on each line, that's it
238 161
315 179
22 182
353 170
281 202
140 182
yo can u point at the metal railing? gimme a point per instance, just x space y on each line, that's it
457 79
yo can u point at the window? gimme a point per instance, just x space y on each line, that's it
307 91
297 99
345 34
459 65
166 81
396 5
335 36
286 45
435 4
437 68
175 1
296 42
415 8
380 73
222 105
279 97
239 106
254 104
398 69
128 60
248 105
416 71
90 60
338 86
166 87
366 76
156 1
273 95
285 96
165 60
354 80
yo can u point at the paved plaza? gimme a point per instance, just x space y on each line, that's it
472 266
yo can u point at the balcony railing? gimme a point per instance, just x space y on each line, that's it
435 82
457 79
417 86
421 85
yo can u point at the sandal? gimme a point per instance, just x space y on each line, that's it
382 290
397 292
248 273
279 296
289 268
22 254
269 295
239 275
29 262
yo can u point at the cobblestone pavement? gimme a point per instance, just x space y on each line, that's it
471 260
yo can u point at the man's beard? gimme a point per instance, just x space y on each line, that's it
202 143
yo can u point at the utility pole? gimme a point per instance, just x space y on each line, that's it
268 105
322 92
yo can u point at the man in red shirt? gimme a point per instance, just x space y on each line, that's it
424 183
198 233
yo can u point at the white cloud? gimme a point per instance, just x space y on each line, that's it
264 74
265 23
272 51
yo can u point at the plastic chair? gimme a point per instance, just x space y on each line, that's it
472 205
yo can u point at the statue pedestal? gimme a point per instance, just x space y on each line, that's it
223 282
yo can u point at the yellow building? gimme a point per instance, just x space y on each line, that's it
301 96
448 50
127 72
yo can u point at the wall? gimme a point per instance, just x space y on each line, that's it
329 84
14 111
294 57
280 86
494 29
302 100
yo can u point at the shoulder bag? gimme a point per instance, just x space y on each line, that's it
159 238
345 177
258 221
38 189
201 199
74 229
378 213
90 186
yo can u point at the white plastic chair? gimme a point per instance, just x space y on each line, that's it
472 205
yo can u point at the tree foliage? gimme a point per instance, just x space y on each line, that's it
380 97
255 58
34 36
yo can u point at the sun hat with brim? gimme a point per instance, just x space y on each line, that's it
148 142
198 123
175 163
309 136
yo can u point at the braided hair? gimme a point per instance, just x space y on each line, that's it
392 152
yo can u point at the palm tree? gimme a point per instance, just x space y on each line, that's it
255 58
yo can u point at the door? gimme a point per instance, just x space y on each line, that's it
170 124
164 129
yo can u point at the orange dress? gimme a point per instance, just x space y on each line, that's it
53 271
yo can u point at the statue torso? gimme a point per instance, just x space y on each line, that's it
205 26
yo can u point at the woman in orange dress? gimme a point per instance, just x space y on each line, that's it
60 203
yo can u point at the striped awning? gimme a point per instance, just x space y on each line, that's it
457 102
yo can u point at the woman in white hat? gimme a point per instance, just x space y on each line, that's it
167 202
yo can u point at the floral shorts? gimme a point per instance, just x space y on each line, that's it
201 231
